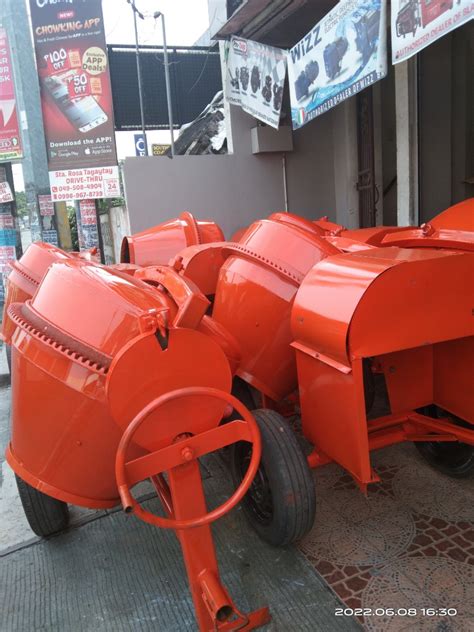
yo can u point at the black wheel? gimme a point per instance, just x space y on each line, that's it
8 352
452 458
281 502
45 515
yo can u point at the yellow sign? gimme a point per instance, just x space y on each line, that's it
159 150
94 60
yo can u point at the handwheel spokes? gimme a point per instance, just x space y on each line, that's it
185 502
185 450
181 454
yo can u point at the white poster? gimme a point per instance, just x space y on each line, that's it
343 54
255 76
46 205
6 194
84 184
418 23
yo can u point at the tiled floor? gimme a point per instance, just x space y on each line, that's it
408 544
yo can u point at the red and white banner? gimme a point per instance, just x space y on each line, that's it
88 229
10 140
418 23
7 255
76 98
84 184
6 194
7 222
88 212
46 205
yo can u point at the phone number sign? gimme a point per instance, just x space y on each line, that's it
85 184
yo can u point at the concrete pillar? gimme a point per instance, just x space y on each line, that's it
344 125
14 17
407 142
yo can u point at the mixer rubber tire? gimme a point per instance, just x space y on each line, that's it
281 502
45 515
452 458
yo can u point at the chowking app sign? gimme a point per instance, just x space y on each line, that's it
76 98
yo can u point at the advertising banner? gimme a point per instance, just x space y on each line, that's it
140 147
88 213
7 257
84 184
6 221
255 77
418 23
88 230
51 237
10 139
6 194
46 205
76 97
343 54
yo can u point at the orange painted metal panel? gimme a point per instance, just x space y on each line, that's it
254 298
409 378
453 377
333 414
383 300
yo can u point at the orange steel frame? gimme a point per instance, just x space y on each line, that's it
183 500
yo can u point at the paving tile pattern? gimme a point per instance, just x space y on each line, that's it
408 544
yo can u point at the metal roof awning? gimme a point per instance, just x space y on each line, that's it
254 14
276 22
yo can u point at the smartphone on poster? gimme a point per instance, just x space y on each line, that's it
84 113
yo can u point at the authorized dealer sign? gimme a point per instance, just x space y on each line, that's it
76 98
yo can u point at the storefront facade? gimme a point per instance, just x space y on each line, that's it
399 151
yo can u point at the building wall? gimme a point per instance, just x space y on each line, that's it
233 190
446 119
310 167
388 188
310 170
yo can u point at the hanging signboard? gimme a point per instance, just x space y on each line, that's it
76 98
255 77
6 194
343 54
7 221
159 150
140 147
418 23
51 237
88 234
88 213
10 139
46 205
